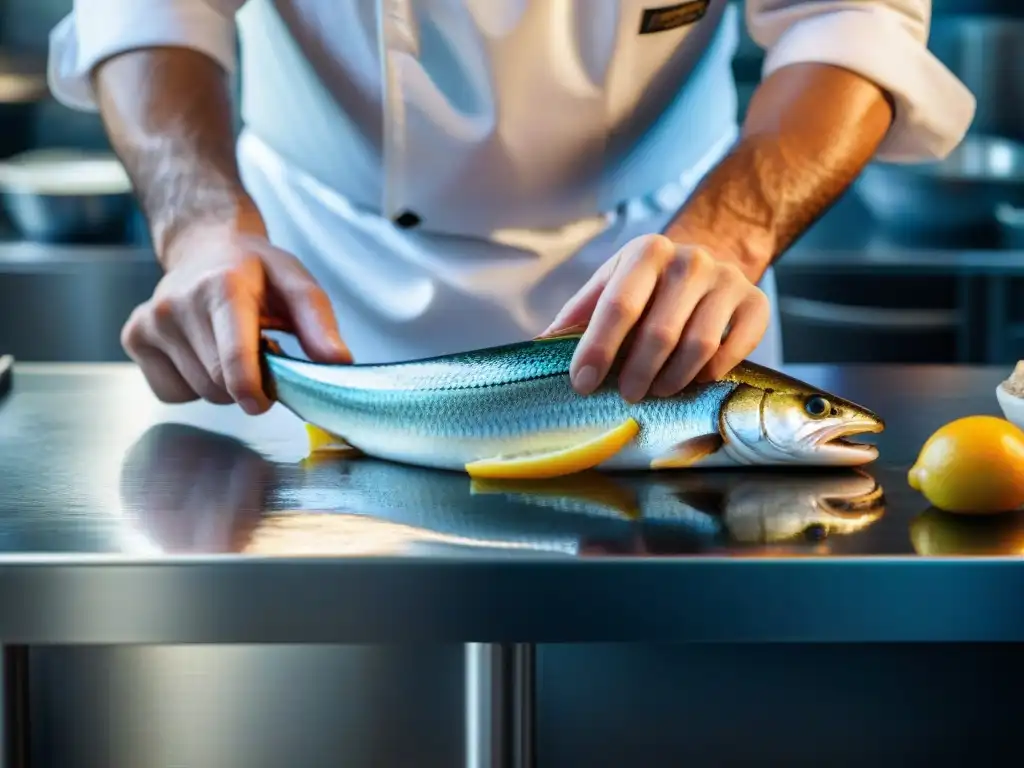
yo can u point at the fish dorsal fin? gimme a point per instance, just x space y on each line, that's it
571 332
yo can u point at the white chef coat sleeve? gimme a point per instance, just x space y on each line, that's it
884 41
95 30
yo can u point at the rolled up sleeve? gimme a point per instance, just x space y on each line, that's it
884 41
95 30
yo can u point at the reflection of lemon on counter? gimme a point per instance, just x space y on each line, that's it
939 533
972 465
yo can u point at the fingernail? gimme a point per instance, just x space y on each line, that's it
339 348
586 379
660 390
631 391
250 406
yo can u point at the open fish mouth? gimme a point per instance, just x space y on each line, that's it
838 441
856 506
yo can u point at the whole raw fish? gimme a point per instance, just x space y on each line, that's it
511 412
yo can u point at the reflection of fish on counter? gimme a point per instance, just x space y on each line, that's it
677 513
741 507
186 489
766 508
553 515
510 412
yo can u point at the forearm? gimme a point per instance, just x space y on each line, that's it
168 114
809 131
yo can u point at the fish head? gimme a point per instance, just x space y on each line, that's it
774 419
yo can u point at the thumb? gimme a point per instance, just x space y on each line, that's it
308 309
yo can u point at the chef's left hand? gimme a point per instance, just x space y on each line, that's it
680 301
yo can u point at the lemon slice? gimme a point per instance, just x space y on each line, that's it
566 461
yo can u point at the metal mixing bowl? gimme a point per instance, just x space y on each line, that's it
962 191
66 196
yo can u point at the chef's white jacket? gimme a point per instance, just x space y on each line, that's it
451 171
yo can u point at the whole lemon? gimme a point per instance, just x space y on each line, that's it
974 465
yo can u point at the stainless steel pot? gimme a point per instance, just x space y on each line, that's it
69 218
60 195
963 191
987 53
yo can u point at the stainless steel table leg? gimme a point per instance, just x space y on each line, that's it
500 705
16 733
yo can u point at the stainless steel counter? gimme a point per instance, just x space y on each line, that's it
128 523
110 499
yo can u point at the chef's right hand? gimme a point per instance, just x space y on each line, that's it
198 337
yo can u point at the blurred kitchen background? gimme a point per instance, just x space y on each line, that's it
916 264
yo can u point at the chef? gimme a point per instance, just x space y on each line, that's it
416 177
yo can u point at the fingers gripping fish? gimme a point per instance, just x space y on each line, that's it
511 412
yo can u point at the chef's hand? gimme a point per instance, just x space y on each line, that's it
680 301
198 337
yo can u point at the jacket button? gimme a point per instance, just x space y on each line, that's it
407 220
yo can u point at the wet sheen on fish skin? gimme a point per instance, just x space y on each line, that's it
515 403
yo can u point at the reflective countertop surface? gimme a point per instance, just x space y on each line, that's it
98 475
93 464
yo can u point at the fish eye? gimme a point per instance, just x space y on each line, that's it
816 532
817 405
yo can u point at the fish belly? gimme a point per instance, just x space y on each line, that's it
446 429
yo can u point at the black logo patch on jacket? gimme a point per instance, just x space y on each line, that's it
673 16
